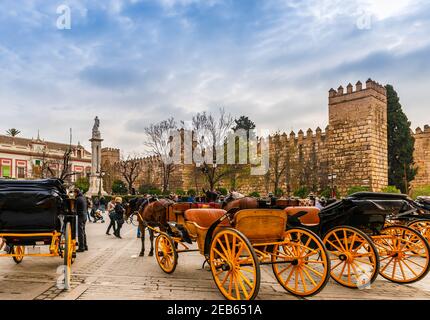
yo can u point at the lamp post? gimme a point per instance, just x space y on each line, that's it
331 178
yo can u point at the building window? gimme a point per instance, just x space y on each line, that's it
5 171
5 168
21 173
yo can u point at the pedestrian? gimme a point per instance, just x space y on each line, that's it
111 214
81 212
119 216
96 204
89 208
102 204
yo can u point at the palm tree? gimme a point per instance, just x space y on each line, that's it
13 132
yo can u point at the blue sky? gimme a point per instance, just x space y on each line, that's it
134 62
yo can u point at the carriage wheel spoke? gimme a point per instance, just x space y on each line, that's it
415 263
337 265
309 277
410 268
220 254
313 270
302 278
388 263
401 269
285 269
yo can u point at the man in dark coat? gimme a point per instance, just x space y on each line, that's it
81 211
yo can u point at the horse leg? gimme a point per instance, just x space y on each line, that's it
151 240
142 236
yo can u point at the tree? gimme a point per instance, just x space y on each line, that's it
129 169
210 135
83 184
160 142
400 144
13 132
279 160
243 123
241 170
119 187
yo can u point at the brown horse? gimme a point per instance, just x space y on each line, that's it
150 212
242 203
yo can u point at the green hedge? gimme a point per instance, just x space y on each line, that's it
355 189
420 191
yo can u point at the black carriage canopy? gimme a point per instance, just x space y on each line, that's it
31 206
365 210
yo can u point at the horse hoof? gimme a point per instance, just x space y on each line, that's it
142 254
151 254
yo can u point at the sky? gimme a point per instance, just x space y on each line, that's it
136 62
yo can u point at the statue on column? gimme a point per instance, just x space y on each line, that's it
96 129
96 177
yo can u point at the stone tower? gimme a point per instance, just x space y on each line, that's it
422 156
358 150
96 181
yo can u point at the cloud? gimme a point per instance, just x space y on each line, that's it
134 62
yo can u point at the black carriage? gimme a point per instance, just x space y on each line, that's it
362 241
37 213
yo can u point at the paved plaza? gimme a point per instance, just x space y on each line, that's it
112 270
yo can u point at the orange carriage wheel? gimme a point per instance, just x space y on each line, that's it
404 254
354 258
165 253
301 264
234 265
18 251
422 226
68 255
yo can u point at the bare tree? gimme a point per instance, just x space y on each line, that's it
130 169
160 142
279 160
210 135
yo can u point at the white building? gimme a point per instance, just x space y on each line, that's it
22 158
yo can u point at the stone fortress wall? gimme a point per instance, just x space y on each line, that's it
350 151
422 156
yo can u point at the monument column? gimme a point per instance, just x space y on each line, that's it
96 181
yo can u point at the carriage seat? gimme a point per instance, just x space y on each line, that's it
204 218
198 221
307 216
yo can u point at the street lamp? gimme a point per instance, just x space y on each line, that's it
331 178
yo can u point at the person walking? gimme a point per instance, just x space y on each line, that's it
103 204
119 216
81 212
111 213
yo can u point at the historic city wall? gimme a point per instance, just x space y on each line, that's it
351 151
422 156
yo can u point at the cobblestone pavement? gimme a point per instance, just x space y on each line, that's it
111 269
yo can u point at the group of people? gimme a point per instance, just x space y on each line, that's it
116 215
95 208
82 205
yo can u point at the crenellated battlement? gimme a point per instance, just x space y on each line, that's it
370 85
426 130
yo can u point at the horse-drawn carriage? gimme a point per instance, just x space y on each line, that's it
279 232
38 213
236 243
361 244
